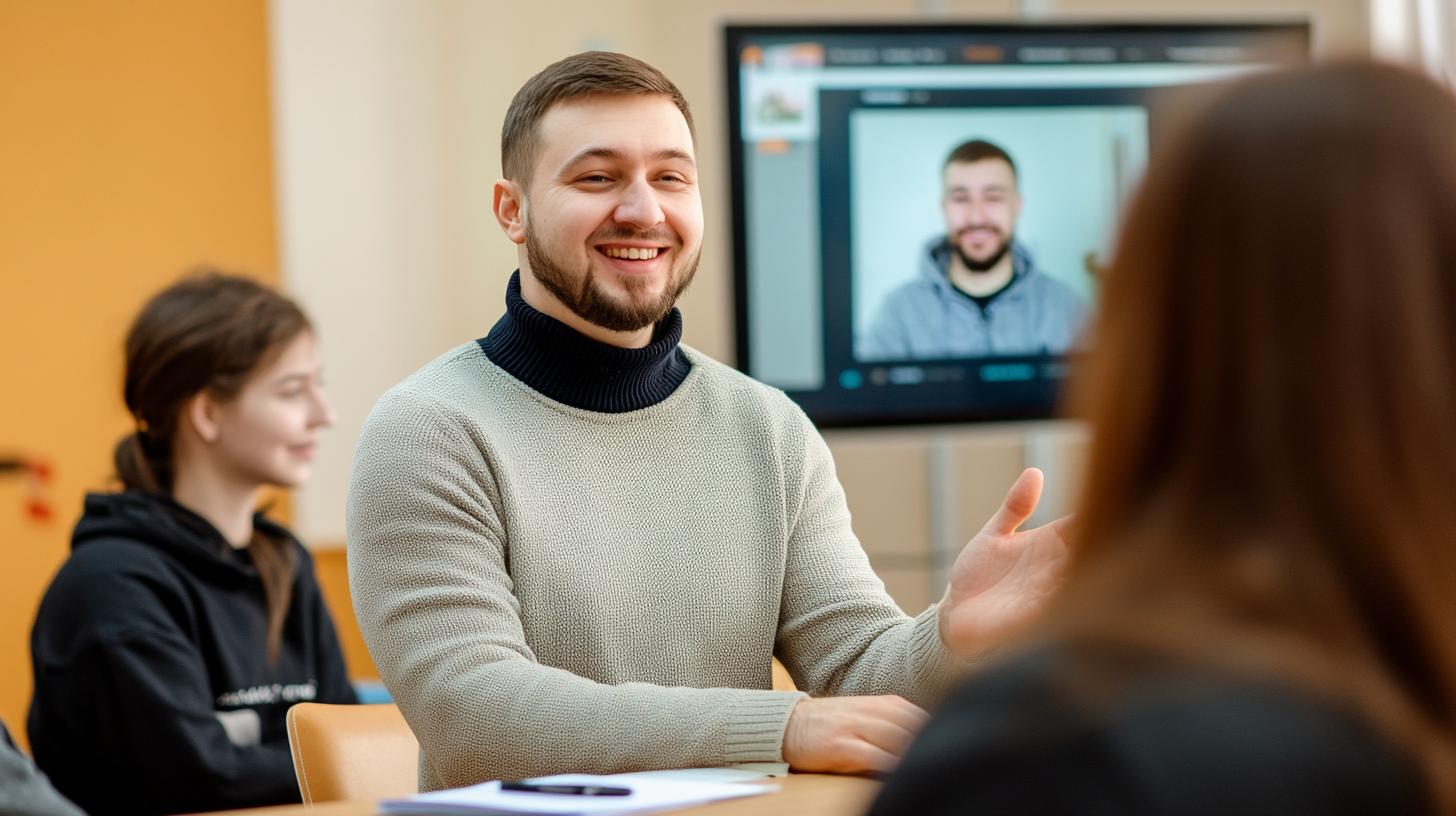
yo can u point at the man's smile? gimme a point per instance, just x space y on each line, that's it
632 253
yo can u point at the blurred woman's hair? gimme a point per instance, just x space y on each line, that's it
1271 487
208 332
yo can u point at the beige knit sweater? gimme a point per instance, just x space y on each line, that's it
546 589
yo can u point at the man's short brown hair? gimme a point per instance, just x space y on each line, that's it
978 150
590 73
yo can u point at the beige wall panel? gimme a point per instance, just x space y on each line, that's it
985 466
888 472
913 588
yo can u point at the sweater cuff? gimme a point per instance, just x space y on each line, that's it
756 723
936 668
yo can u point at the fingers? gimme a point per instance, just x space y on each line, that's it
892 731
1019 504
887 736
861 756
850 734
892 723
904 713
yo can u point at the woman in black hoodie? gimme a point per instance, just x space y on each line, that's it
172 642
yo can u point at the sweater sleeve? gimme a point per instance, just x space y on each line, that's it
839 630
428 564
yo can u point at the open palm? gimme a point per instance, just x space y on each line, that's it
1003 577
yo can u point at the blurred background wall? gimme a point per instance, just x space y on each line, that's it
346 149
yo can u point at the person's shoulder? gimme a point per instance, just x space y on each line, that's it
914 291
104 559
724 382
1014 697
461 380
1134 694
441 380
1242 741
107 586
724 378
1046 288
1195 739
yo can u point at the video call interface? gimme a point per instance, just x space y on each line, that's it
886 179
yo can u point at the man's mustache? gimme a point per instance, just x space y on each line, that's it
963 231
656 235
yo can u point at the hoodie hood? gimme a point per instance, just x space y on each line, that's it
158 521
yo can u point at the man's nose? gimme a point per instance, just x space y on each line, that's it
639 206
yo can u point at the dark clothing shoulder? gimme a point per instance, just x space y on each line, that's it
154 691
1035 736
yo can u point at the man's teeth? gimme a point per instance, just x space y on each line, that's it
632 253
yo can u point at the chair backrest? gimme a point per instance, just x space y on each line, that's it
345 752
782 680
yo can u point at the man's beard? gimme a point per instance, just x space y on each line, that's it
585 298
988 263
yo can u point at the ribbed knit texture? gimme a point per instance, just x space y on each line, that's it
547 589
570 367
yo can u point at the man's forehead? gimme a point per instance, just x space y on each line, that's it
989 172
615 127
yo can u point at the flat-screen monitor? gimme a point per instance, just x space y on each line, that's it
921 212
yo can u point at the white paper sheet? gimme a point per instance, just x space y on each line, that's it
648 794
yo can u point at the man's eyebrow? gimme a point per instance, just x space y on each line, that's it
966 188
609 154
673 154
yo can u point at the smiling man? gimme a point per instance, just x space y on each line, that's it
977 292
617 195
575 544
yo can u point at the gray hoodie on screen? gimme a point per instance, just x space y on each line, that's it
929 318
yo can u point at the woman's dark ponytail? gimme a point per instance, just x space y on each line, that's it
135 470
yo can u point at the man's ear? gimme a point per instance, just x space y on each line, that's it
509 204
201 414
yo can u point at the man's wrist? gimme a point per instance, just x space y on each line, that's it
942 621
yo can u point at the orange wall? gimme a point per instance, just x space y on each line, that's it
333 578
134 141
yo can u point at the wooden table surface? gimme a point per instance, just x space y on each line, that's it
799 795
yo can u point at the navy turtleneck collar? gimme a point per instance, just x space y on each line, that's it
570 367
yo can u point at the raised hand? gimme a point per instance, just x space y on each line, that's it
1003 577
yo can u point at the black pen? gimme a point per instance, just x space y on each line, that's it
565 790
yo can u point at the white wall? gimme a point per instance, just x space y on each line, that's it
1421 32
